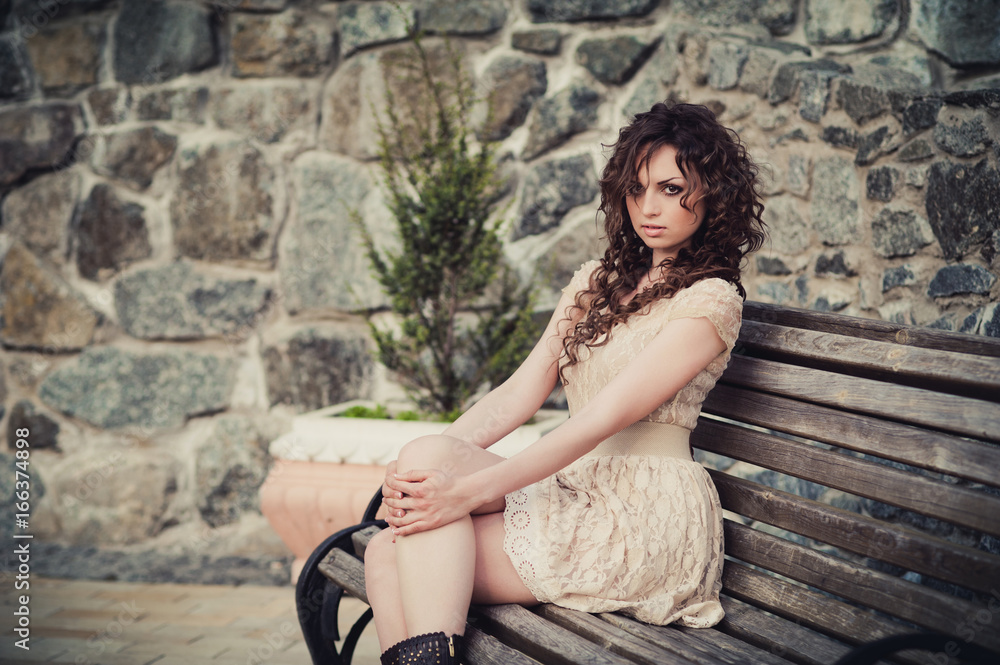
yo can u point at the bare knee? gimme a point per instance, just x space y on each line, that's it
440 452
380 556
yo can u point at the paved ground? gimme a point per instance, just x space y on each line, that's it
124 623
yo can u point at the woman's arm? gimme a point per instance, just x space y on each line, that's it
671 359
513 402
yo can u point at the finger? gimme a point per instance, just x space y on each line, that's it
415 475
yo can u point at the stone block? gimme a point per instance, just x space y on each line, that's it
725 64
776 292
848 21
291 43
514 84
755 77
921 113
179 104
463 17
963 205
872 91
109 234
110 496
323 263
317 367
835 265
44 430
176 302
114 388
772 265
347 126
834 206
991 321
225 205
133 156
39 214
960 279
362 83
881 183
155 41
961 135
110 106
615 60
788 76
983 98
778 16
266 113
788 229
964 32
915 150
900 233
877 143
230 466
16 76
898 276
797 178
555 119
551 189
366 24
545 41
40 310
66 58
814 94
548 11
37 137
647 93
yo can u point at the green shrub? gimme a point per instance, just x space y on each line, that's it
443 190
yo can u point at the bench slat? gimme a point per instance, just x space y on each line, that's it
779 636
885 438
962 415
700 645
346 571
487 650
529 633
869 537
977 510
627 645
802 605
946 371
894 596
874 329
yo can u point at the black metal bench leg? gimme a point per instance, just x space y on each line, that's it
318 600
351 641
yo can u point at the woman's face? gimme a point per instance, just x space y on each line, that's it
654 205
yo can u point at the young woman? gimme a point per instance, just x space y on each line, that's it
607 512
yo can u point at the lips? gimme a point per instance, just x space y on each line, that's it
653 231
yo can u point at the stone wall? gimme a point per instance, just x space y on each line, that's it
180 276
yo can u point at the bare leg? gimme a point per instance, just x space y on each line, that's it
424 582
495 580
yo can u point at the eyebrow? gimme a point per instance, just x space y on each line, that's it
669 180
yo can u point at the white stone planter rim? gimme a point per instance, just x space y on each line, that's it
320 436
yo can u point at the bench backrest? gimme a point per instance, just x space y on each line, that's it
860 473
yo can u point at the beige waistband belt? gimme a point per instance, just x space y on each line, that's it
647 438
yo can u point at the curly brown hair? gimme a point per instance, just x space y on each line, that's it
713 159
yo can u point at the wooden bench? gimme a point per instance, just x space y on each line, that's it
887 436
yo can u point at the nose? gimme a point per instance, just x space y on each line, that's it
649 206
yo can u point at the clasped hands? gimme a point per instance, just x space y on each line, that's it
420 500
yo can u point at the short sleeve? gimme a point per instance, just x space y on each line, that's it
581 278
714 299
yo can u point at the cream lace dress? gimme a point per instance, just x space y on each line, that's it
634 526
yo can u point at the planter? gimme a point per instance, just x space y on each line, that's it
327 469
